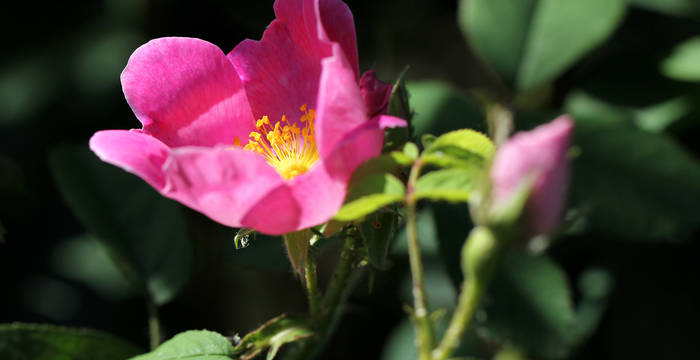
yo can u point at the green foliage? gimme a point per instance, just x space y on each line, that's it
670 7
85 259
370 194
684 63
19 341
145 233
440 108
273 334
530 306
655 118
530 42
385 163
452 185
460 148
192 345
657 181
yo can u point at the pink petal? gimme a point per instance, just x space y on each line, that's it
279 76
337 21
276 214
328 180
375 93
341 107
312 23
186 92
222 183
541 152
133 151
281 72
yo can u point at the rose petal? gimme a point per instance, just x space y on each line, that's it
186 92
278 75
222 183
133 151
341 108
321 21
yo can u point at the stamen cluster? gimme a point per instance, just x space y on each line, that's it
289 149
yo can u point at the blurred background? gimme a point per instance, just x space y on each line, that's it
84 244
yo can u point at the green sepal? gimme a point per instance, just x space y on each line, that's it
297 244
400 107
273 334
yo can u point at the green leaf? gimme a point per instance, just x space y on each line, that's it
411 150
542 37
657 181
297 244
652 118
529 305
85 259
377 231
460 148
453 185
441 108
370 194
19 341
192 345
146 234
273 334
682 8
595 286
384 163
684 62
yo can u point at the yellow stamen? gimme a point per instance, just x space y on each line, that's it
282 146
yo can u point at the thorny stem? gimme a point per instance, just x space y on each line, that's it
340 277
331 301
424 327
310 275
153 323
466 306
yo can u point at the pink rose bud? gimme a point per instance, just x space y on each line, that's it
542 154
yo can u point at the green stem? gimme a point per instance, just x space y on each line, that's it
424 327
340 277
466 306
500 122
153 323
310 275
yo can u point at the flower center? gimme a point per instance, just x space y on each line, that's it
289 149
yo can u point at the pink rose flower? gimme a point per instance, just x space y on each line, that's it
265 137
541 153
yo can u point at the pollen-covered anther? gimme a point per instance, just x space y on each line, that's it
289 149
